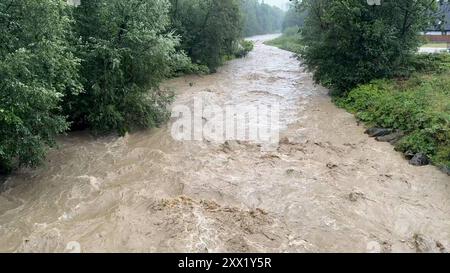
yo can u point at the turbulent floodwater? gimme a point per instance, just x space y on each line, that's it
325 187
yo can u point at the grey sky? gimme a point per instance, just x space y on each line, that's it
279 3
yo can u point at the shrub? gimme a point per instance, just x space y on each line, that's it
431 63
243 48
36 71
126 52
209 29
348 42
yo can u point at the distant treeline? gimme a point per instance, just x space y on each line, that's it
261 18
294 17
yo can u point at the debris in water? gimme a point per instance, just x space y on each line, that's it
391 138
230 146
331 166
270 156
441 247
290 171
355 196
421 244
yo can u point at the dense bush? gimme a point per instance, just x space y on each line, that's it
243 48
209 29
126 51
36 71
349 42
420 106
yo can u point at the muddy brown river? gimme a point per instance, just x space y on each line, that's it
326 187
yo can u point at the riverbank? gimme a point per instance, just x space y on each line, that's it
287 41
326 187
414 111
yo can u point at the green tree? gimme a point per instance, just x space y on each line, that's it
36 70
210 29
348 42
126 51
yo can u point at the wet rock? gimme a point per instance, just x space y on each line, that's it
446 170
270 156
378 132
419 160
391 138
293 172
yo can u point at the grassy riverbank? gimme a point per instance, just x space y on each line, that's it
417 106
288 41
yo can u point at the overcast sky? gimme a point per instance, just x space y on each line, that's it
279 3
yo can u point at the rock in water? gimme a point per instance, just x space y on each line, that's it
378 132
419 160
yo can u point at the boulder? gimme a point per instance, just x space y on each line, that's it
378 132
419 159
391 138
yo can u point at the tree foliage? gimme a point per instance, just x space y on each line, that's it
348 42
126 52
99 65
210 29
36 70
